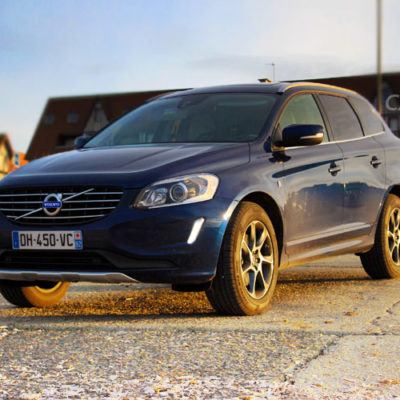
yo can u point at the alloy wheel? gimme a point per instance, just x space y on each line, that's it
257 259
48 288
393 234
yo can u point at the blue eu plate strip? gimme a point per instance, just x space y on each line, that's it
15 238
78 240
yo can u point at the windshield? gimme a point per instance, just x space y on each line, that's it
234 117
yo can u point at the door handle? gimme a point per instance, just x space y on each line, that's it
375 162
334 169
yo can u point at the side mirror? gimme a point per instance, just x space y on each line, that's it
80 141
302 135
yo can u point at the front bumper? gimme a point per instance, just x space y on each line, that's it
143 245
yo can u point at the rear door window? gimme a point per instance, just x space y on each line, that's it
342 118
369 116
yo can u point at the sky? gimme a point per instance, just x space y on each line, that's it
51 48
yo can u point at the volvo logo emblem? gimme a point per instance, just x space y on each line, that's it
52 204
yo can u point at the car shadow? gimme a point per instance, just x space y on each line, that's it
128 305
322 280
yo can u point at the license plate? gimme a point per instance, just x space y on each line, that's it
53 240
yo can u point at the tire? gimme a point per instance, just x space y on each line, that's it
47 294
383 260
247 269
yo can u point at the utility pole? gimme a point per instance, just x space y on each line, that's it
379 56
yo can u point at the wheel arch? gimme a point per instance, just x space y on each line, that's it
395 189
272 209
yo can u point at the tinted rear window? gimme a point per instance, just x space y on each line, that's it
368 115
343 120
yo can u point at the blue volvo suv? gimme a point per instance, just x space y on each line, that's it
210 189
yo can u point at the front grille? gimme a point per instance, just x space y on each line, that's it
79 204
54 260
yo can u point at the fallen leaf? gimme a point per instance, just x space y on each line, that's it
350 313
390 382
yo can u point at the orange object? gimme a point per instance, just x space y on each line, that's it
9 159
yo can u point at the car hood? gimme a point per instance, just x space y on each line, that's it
128 166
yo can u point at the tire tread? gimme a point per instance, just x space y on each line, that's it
14 295
224 294
375 261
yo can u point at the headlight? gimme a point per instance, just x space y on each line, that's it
177 191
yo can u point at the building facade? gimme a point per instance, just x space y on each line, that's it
66 118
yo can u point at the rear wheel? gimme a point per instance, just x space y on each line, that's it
248 267
383 260
44 295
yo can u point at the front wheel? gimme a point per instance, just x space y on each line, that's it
383 260
248 267
44 295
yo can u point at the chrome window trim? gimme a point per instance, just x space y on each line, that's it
335 142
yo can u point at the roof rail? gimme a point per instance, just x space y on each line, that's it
158 96
286 87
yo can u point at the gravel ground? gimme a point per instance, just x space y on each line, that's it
76 359
330 333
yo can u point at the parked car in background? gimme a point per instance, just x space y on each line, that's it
210 189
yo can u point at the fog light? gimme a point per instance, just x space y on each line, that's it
195 230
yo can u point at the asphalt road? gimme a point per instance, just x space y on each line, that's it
330 332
